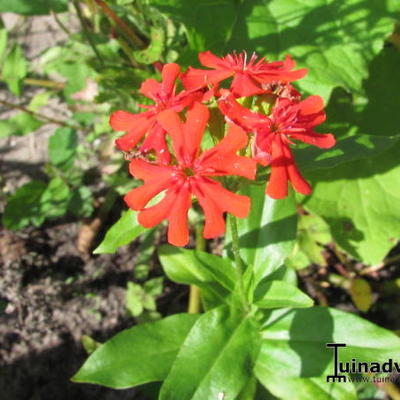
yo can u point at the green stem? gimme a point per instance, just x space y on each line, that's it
125 48
59 23
125 28
44 83
194 300
194 294
35 114
238 260
86 32
200 241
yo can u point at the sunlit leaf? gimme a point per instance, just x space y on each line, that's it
220 348
124 231
360 201
137 355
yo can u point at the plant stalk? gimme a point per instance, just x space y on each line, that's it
44 83
35 114
129 33
59 23
238 261
194 305
125 48
86 32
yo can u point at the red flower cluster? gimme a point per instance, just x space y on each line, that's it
171 160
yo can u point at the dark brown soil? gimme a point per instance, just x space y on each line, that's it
50 297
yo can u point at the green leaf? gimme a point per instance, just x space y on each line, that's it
3 41
76 74
7 128
69 62
306 388
268 234
315 227
140 298
85 118
199 19
215 360
36 7
249 390
145 252
14 69
213 274
123 232
55 199
62 148
136 299
81 202
154 286
368 390
26 123
346 149
154 51
294 341
285 274
312 234
137 355
336 54
361 203
298 259
380 115
23 207
294 346
19 124
196 267
278 294
39 100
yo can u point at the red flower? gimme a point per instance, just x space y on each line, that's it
248 75
235 112
288 120
137 125
191 176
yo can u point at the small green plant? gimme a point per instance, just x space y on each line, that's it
141 299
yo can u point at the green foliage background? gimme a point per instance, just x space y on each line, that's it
351 49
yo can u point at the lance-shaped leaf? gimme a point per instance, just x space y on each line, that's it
213 274
279 294
268 234
215 360
306 388
137 355
124 231
294 342
294 345
196 267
